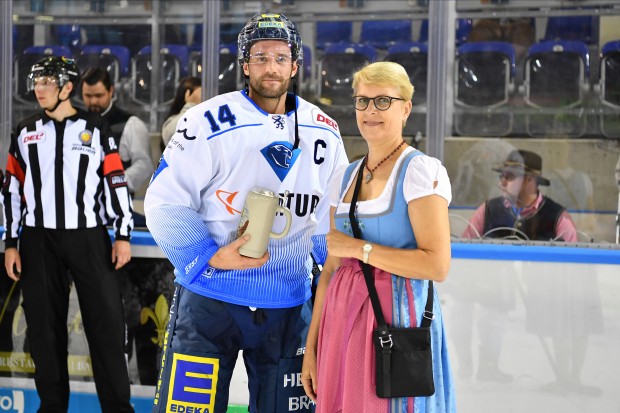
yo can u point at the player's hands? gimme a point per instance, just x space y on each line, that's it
121 253
228 257
12 263
308 373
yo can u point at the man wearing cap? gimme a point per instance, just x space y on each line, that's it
522 210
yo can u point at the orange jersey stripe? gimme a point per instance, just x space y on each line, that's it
112 162
14 168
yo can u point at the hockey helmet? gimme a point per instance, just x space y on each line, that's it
269 26
63 69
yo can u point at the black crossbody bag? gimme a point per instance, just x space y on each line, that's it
403 355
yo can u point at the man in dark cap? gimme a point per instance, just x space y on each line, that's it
522 210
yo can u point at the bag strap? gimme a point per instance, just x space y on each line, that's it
427 317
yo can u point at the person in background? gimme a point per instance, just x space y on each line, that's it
521 212
225 302
131 136
64 183
522 209
402 211
188 94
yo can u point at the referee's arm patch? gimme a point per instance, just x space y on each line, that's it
117 180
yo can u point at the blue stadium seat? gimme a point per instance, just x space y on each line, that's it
228 78
328 33
610 74
228 33
174 65
335 71
556 80
382 34
484 81
413 56
577 28
609 88
463 27
114 58
69 35
23 63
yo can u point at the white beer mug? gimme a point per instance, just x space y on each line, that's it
257 218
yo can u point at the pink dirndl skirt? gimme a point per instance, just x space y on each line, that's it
345 359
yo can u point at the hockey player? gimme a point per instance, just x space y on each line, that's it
224 302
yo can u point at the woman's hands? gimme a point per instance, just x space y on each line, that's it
308 373
342 245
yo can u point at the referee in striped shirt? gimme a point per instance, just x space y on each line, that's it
64 183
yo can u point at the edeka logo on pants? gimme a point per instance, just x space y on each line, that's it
193 383
11 401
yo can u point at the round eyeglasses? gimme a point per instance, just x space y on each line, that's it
380 102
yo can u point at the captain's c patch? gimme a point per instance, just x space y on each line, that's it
193 384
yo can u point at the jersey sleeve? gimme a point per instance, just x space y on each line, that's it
12 193
118 200
173 200
426 176
319 250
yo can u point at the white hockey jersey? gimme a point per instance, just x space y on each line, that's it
222 149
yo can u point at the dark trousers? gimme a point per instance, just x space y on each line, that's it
47 258
203 342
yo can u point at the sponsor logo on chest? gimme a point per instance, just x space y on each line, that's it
33 137
321 119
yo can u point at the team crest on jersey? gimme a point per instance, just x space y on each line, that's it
281 157
33 137
278 121
86 137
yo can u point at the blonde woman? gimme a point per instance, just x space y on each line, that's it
402 211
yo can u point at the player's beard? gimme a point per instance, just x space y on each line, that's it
257 86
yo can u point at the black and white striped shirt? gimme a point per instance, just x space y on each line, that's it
64 175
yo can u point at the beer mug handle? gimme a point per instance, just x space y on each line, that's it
289 219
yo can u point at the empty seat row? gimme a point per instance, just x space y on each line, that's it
380 34
555 87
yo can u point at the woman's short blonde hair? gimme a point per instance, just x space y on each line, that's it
384 74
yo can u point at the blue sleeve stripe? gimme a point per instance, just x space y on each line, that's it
183 237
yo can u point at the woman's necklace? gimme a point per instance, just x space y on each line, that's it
369 176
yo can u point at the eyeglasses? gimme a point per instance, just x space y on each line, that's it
381 102
263 58
508 176
45 82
